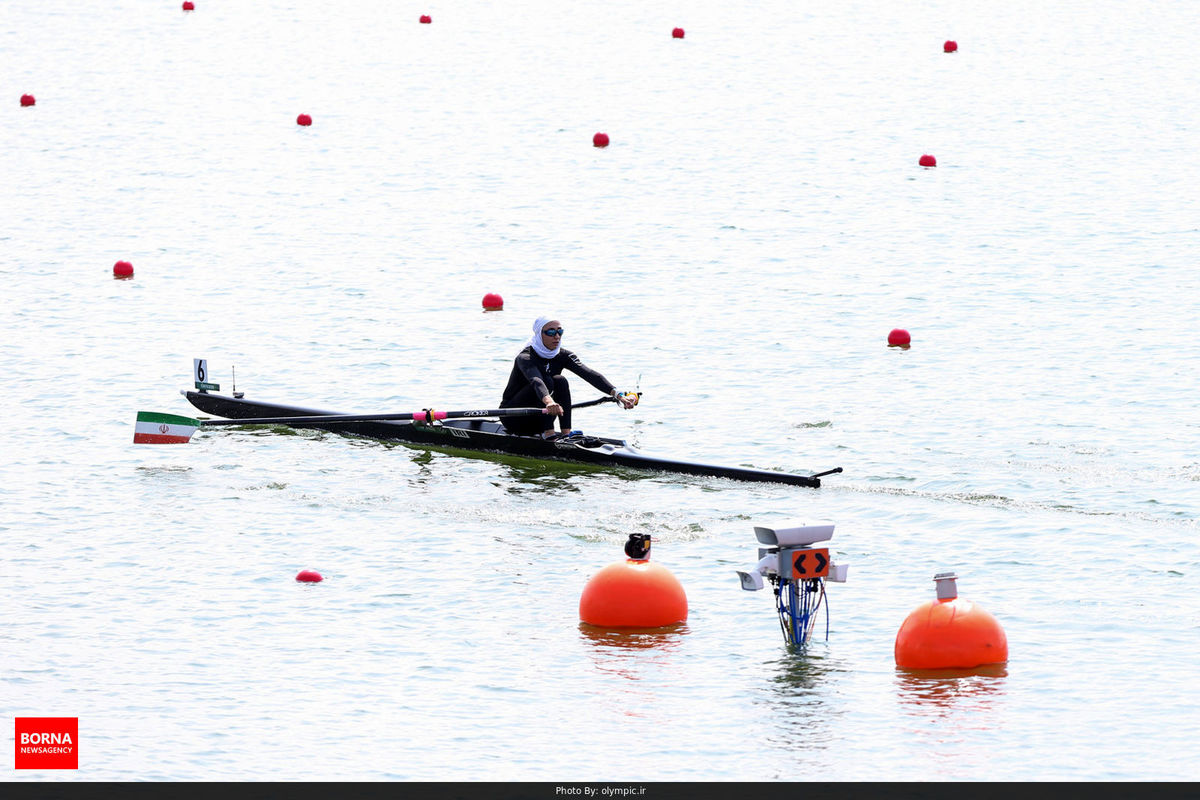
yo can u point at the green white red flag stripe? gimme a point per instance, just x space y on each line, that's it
155 428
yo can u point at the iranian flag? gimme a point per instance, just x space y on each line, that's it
155 428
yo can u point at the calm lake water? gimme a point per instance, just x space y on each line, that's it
740 252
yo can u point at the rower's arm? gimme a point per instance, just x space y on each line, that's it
588 374
530 371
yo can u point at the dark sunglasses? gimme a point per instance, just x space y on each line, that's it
552 332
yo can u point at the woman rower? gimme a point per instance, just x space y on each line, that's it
537 380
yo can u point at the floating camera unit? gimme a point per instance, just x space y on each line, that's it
797 572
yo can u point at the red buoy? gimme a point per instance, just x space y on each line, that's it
600 140
188 5
122 269
309 576
304 119
677 33
27 100
492 302
927 161
950 46
633 594
950 632
899 338
426 19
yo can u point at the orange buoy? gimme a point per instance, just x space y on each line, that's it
600 140
122 269
633 594
309 576
493 302
677 33
899 338
950 632
927 161
188 5
426 19
28 100
950 46
304 119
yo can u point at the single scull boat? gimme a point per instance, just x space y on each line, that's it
488 436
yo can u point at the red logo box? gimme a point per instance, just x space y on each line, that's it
47 743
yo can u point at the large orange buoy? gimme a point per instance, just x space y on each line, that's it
950 632
493 302
634 593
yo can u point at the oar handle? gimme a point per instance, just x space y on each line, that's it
425 415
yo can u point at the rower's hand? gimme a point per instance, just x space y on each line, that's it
554 408
628 400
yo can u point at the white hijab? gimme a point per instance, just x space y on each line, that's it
536 340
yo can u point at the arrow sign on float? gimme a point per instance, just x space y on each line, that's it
805 569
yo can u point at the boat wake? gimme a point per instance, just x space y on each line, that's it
1020 504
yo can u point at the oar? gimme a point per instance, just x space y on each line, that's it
155 428
598 401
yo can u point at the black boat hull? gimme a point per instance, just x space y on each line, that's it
490 436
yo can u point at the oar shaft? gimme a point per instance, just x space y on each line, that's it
595 402
599 400
424 416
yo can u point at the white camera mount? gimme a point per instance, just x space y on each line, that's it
798 573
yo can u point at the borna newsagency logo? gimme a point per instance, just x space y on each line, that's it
46 743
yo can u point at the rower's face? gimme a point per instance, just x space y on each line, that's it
552 341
